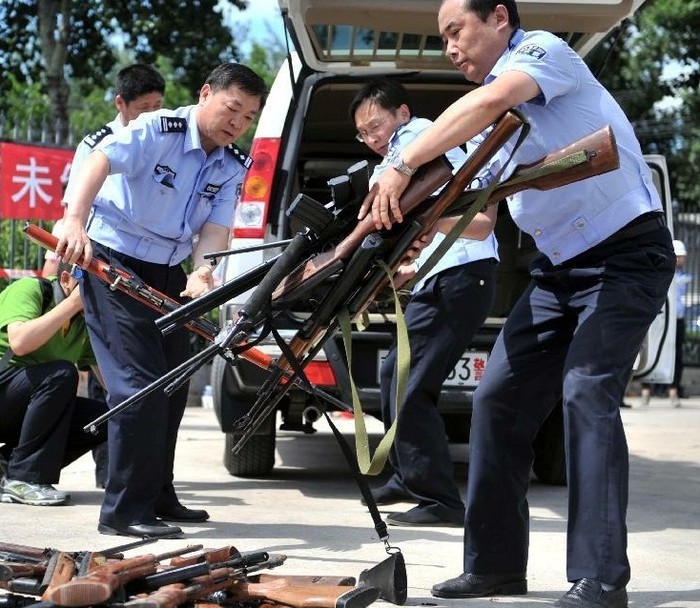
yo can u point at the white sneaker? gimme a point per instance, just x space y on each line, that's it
41 494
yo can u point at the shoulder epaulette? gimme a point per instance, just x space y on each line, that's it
240 155
173 124
95 138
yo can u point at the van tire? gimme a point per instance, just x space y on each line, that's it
550 457
257 457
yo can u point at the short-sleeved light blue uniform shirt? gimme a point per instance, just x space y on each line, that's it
569 220
462 250
170 187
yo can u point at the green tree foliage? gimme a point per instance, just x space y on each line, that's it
654 73
54 42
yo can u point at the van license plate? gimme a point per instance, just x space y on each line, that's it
467 373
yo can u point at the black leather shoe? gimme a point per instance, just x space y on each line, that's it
480 585
390 496
182 513
588 593
154 530
421 517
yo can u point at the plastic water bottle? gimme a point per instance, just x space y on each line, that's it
208 397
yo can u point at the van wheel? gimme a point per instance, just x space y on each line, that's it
257 457
550 458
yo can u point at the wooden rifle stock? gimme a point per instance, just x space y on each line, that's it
59 571
306 596
598 148
209 556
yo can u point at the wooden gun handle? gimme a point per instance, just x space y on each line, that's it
599 148
59 571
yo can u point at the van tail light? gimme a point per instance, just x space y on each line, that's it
319 373
254 203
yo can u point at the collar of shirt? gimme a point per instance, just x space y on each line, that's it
514 41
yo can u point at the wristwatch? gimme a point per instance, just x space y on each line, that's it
397 162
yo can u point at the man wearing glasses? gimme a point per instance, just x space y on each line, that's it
447 307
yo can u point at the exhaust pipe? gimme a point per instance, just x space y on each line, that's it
312 414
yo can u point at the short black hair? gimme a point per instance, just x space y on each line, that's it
229 74
387 94
484 8
138 79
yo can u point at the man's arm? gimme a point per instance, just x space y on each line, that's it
26 336
463 120
74 241
213 237
478 229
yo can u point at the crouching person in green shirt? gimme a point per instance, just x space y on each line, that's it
43 342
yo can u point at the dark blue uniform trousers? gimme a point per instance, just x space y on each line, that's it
579 326
441 319
132 353
42 420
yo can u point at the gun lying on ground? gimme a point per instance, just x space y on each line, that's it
222 576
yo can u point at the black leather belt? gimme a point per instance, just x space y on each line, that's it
646 222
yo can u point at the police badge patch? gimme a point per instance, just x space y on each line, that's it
533 50
165 175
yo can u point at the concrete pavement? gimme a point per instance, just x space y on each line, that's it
309 509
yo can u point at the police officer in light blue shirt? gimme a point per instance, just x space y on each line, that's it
181 178
602 276
448 305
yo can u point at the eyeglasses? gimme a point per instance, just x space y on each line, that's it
363 134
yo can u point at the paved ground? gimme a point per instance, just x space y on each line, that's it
310 510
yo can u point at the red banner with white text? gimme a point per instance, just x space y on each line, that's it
32 179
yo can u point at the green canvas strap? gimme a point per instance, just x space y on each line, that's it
373 465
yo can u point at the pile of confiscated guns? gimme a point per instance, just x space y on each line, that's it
192 575
338 263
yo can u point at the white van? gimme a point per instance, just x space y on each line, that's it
305 137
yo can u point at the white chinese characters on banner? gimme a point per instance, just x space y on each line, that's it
32 179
